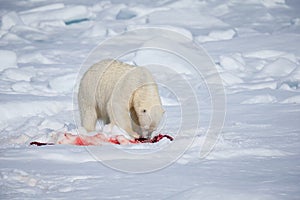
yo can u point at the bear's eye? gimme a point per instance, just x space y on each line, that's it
144 111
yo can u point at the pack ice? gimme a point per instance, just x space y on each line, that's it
255 47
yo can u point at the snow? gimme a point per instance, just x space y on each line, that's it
8 59
260 99
254 45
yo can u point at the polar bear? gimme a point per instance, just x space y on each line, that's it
120 94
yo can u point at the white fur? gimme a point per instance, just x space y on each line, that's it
119 93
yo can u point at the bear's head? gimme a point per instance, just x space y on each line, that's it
149 119
148 110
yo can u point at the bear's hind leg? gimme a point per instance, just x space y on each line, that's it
89 118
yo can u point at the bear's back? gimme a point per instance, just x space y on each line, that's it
109 73
113 72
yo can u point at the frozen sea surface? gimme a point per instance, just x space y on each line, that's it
255 46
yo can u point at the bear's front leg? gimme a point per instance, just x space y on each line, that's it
119 114
123 121
132 133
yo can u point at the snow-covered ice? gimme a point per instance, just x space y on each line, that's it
8 59
255 46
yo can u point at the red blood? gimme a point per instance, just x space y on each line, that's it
89 140
113 140
98 139
79 142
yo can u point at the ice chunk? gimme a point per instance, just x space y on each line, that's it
220 10
246 32
22 87
125 14
8 59
34 58
279 68
63 83
271 55
66 14
29 33
98 30
23 74
263 54
169 101
294 99
179 30
258 86
285 86
51 23
293 80
290 84
9 38
185 17
43 22
273 3
217 35
260 99
222 34
296 73
9 20
230 79
234 62
44 8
